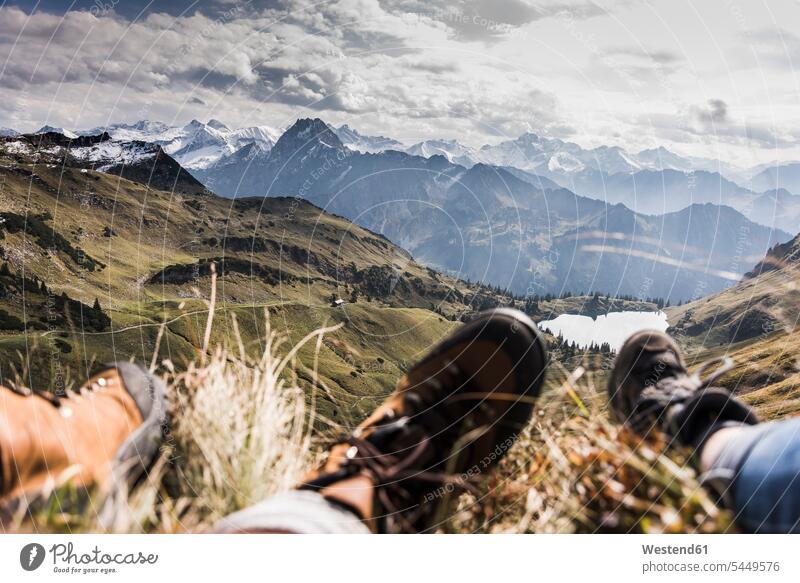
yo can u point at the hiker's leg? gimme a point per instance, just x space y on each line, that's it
452 416
757 470
753 467
306 512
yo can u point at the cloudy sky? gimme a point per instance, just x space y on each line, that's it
713 78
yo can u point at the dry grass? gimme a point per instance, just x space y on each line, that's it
574 471
243 430
241 427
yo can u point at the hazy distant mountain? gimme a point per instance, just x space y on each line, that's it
604 172
660 191
651 181
539 182
775 207
452 150
663 191
785 176
368 144
488 224
662 159
528 152
8 132
541 155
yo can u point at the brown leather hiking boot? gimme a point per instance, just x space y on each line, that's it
106 433
650 388
450 419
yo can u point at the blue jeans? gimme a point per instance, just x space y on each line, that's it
761 470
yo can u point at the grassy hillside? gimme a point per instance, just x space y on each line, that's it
766 372
756 323
133 266
767 300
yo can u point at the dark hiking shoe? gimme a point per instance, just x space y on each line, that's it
450 419
106 434
651 388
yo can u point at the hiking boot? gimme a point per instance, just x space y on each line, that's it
106 434
650 387
449 420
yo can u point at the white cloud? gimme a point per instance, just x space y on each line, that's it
478 70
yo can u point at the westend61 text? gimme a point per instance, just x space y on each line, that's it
675 550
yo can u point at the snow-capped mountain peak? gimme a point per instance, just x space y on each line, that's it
194 125
564 162
306 134
662 159
452 150
264 136
147 126
195 145
218 125
363 143
610 159
46 129
110 153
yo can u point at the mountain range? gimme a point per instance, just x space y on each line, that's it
503 226
499 223
652 181
196 145
142 162
367 144
530 152
778 176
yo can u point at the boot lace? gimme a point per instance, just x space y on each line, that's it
672 390
398 482
396 474
55 400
